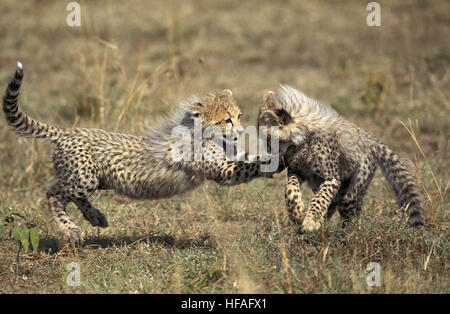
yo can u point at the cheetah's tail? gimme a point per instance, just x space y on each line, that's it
402 182
21 122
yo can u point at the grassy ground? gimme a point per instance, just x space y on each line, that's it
127 65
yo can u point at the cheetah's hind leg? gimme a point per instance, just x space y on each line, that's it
351 203
57 205
77 179
92 214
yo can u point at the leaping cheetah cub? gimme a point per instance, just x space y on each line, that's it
337 158
140 167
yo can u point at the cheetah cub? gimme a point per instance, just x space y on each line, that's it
140 167
337 159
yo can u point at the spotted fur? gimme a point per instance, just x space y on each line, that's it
337 158
140 167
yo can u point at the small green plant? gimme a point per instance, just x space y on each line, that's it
25 232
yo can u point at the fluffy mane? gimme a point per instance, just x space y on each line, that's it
180 116
297 104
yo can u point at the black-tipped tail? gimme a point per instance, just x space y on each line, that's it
22 123
402 182
11 96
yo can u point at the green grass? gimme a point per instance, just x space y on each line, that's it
128 64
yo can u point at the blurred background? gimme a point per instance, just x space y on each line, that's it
130 61
144 56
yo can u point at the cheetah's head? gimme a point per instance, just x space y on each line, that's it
220 110
272 114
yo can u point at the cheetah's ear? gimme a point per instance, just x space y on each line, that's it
227 92
268 95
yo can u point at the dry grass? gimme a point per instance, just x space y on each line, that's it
126 66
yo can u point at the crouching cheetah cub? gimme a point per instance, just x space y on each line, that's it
141 167
337 158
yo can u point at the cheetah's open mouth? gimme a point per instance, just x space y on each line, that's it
283 148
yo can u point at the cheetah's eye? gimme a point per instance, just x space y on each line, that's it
239 116
284 116
228 120
281 113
